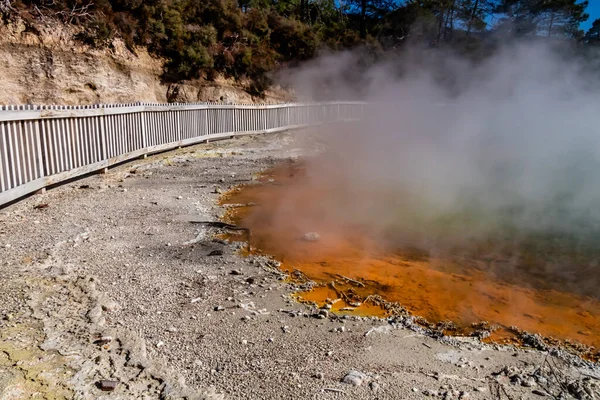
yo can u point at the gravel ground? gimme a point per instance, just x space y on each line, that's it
107 280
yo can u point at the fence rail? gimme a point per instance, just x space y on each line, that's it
44 145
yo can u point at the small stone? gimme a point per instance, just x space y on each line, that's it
250 280
415 389
244 342
374 386
326 307
319 375
235 272
160 344
324 313
172 329
481 389
179 197
107 385
216 253
124 190
285 329
270 340
329 353
311 236
219 308
101 341
354 378
528 382
539 392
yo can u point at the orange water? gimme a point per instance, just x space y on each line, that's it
285 206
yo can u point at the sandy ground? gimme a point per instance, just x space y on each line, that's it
108 279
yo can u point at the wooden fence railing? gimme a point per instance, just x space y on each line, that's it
44 145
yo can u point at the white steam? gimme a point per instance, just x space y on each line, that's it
451 151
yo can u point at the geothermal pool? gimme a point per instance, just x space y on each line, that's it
466 290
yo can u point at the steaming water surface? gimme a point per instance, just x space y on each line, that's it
463 284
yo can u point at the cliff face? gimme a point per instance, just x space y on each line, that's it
46 65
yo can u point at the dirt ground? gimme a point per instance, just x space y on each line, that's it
111 280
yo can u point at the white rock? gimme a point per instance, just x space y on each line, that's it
311 236
354 378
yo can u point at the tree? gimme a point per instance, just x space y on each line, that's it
475 12
592 36
545 17
370 13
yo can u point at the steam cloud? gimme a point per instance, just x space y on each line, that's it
499 159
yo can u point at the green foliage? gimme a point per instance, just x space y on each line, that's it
252 38
593 35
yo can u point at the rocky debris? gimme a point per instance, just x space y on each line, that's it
534 340
217 252
355 378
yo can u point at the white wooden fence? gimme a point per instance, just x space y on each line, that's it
44 145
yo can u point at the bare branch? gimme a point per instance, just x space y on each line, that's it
77 12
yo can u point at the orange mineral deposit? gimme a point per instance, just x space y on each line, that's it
285 206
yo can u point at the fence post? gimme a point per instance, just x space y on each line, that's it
206 121
40 153
103 140
178 114
234 121
3 159
143 129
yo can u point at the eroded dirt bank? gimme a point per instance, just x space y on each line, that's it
43 63
113 278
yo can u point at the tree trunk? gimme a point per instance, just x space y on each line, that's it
551 23
473 12
452 19
363 19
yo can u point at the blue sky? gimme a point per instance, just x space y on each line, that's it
594 10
